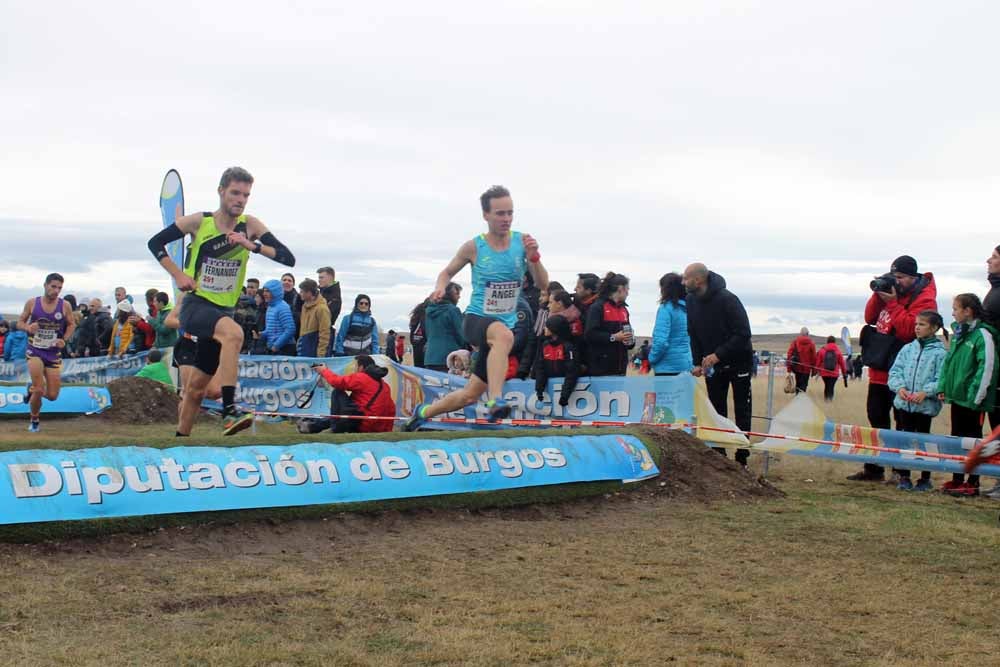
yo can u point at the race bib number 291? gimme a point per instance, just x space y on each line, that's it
219 275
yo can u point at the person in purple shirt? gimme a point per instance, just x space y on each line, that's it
48 321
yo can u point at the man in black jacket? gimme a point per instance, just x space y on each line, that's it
95 329
329 290
720 345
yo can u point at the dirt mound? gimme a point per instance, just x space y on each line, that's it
136 400
691 471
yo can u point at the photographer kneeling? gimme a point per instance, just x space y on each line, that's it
363 393
890 315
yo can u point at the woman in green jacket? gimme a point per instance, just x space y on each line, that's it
969 380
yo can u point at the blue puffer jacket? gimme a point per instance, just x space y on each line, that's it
15 345
671 349
279 325
918 368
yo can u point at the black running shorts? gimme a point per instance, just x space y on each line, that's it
474 330
199 316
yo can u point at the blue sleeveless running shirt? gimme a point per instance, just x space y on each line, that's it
496 280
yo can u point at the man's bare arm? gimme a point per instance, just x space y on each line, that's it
22 321
466 255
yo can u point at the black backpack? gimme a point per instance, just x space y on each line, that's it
830 360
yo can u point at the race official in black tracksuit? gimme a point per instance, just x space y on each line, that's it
557 358
720 340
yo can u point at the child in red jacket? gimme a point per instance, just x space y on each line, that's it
368 395
557 358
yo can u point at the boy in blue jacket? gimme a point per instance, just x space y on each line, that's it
279 327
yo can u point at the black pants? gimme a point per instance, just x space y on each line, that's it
879 416
966 423
801 382
829 384
718 394
913 422
418 355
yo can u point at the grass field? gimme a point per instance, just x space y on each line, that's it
834 573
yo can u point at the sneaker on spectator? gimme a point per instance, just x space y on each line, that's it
865 476
923 485
236 421
964 490
950 485
993 493
416 420
905 484
498 409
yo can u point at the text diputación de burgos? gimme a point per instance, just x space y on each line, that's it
41 480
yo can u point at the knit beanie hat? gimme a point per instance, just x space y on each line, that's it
905 264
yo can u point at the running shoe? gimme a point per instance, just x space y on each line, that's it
34 426
964 490
236 421
923 485
950 485
865 476
905 484
416 420
498 409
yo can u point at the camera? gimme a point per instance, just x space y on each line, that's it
883 283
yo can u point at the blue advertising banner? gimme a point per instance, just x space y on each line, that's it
275 384
50 485
89 370
71 400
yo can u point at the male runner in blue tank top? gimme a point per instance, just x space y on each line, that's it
48 321
498 258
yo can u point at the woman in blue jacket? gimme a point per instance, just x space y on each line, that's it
670 353
358 330
15 345
279 327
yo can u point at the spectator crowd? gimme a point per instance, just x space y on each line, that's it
701 327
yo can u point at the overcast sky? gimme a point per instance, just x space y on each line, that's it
795 147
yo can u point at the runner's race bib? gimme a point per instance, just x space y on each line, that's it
219 275
43 339
501 297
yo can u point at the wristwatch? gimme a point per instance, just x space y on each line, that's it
257 246
613 338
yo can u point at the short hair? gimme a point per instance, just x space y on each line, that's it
255 281
309 285
289 275
238 174
495 192
54 276
561 296
831 339
162 297
589 281
554 286
155 355
804 331
327 269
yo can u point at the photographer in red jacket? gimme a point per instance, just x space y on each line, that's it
361 393
897 298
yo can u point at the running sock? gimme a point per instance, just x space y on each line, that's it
228 398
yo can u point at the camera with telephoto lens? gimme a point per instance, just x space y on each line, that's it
883 283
